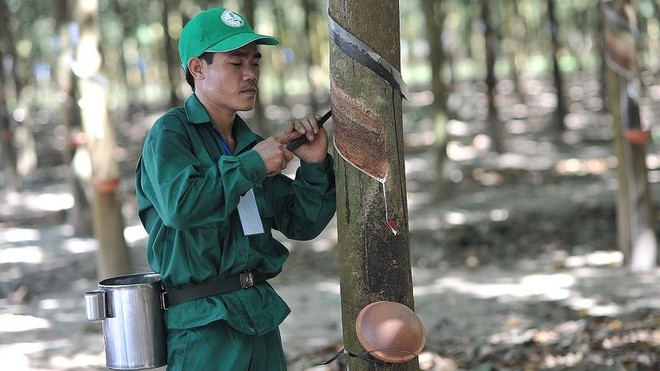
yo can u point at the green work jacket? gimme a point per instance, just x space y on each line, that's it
188 189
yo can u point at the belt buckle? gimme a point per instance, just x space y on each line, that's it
247 279
163 301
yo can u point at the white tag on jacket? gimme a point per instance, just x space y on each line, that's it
249 214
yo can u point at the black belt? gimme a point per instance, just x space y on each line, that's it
244 280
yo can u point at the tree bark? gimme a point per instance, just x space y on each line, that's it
491 81
7 144
308 9
171 57
634 211
372 215
435 13
113 258
79 217
560 113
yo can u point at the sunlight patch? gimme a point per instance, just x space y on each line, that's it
611 258
328 286
12 359
19 323
135 233
80 245
19 235
27 254
546 287
53 202
78 361
455 218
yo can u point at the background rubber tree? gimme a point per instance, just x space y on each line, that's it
553 30
435 13
492 45
372 216
8 154
79 216
105 178
636 236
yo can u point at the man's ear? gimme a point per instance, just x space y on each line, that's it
195 67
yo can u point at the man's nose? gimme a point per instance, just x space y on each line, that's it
251 73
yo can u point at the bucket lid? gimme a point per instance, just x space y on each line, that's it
390 331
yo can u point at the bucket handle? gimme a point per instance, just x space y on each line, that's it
95 305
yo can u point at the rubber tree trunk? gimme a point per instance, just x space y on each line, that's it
636 236
560 113
170 48
372 214
490 39
7 147
308 7
435 13
79 217
8 153
107 219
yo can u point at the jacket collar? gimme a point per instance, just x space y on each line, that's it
197 114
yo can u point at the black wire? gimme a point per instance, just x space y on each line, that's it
365 357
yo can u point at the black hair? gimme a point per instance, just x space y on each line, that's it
206 57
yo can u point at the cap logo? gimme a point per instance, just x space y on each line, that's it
231 19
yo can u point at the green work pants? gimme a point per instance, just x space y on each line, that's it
219 347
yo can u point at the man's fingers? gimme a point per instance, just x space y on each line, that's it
288 156
290 127
308 127
288 138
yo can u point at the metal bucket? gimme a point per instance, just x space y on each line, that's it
133 327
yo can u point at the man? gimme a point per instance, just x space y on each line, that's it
209 192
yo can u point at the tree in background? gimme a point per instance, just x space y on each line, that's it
558 79
435 13
494 126
372 215
7 137
634 212
80 215
108 221
170 47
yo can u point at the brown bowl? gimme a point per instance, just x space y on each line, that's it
390 331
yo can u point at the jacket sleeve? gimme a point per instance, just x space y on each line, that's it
186 186
309 202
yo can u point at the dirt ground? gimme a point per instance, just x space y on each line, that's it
517 269
548 308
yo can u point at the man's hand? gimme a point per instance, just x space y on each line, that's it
274 154
316 148
273 149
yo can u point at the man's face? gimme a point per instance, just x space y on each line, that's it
230 82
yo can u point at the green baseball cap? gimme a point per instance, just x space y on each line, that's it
217 30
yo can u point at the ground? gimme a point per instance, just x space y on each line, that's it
517 268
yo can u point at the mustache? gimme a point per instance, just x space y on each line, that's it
249 87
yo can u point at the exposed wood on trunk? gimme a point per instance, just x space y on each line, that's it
359 134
